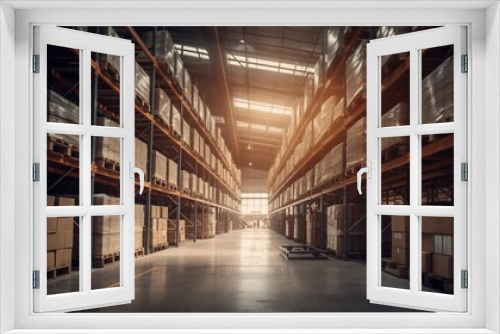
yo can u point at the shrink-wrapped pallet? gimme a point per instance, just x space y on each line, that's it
188 87
201 150
139 226
334 43
196 98
163 106
323 119
208 118
437 94
195 142
201 109
172 170
175 120
142 83
185 180
179 70
159 166
318 173
397 116
141 155
356 73
356 144
319 75
165 48
61 110
338 111
193 183
109 62
308 91
107 148
186 133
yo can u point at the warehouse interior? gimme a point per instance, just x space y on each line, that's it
250 139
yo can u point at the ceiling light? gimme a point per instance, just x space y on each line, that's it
250 164
249 147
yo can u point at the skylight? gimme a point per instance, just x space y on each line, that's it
260 106
258 127
268 65
192 51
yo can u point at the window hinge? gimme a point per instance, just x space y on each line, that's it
465 64
464 172
464 279
36 279
36 172
36 63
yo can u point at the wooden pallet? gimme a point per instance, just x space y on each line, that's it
396 270
159 247
159 182
101 260
172 186
57 145
58 272
139 252
105 163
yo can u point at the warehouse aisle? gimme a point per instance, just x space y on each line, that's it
242 271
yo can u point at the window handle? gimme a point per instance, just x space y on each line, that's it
139 171
368 171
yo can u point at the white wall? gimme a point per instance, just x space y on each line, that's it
254 180
7 159
492 147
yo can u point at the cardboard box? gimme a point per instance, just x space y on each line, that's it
162 224
67 241
65 224
442 265
51 224
426 262
154 224
51 260
164 211
63 258
65 201
400 223
55 241
51 200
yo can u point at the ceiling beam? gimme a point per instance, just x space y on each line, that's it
218 61
252 138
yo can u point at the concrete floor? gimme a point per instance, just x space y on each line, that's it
241 271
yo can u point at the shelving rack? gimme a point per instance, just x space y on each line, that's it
342 190
182 204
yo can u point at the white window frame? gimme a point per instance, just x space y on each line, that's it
414 43
484 102
86 43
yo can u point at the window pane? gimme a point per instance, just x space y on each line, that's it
437 169
437 85
63 85
395 251
437 254
63 168
395 93
63 255
395 178
106 167
106 251
106 90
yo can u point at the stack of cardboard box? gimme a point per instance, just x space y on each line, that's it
356 73
437 246
139 226
356 144
141 155
209 224
158 226
159 166
105 231
172 170
400 227
356 226
60 236
176 236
